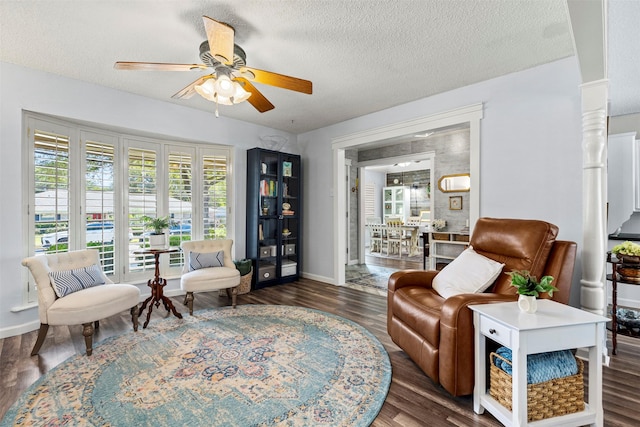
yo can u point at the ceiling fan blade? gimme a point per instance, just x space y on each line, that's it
157 66
278 80
256 99
190 90
220 37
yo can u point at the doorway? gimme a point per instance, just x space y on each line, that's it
388 135
408 179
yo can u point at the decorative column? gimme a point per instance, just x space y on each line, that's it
594 137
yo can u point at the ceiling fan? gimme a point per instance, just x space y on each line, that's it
231 80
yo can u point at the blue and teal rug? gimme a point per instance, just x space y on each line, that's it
253 366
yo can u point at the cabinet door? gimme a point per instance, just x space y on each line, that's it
290 217
268 227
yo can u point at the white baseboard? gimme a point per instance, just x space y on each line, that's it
19 329
318 278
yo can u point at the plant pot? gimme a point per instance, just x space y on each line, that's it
629 267
157 241
628 259
527 303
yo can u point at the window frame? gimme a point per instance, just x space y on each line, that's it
78 134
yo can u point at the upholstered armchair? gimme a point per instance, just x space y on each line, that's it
437 332
73 290
208 267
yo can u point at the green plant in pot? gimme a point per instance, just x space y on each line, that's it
529 288
157 238
628 253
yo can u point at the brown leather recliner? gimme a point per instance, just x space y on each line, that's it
437 333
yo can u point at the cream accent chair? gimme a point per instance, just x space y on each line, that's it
85 307
210 278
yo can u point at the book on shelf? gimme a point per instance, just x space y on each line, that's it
268 188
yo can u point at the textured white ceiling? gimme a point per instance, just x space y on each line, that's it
361 55
624 56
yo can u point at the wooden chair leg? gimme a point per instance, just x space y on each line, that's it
188 300
42 334
134 317
87 331
234 294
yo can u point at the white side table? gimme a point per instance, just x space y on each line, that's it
553 327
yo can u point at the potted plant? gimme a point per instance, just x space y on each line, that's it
438 224
529 288
157 238
628 253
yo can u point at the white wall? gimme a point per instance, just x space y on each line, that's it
530 164
27 89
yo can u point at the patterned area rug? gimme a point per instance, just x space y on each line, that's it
252 366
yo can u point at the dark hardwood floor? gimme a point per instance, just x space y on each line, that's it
392 262
413 399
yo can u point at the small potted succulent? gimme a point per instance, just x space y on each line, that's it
529 288
157 238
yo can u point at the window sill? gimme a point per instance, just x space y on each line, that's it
24 307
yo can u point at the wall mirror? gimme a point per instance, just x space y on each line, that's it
454 183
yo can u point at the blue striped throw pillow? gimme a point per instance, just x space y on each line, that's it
66 282
199 260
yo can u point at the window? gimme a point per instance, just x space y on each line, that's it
214 200
180 200
94 188
51 191
100 201
143 203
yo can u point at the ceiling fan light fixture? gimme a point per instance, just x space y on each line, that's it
239 94
224 86
207 89
224 100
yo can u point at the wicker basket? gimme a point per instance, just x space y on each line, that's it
560 396
244 287
245 282
440 236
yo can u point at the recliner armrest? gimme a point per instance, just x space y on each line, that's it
455 307
403 278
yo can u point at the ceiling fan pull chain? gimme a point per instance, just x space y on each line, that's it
217 109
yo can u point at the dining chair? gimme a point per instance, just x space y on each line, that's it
397 239
376 237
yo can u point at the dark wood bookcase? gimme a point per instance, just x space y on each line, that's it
274 216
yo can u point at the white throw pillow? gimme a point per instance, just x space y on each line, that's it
469 273
66 282
199 260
